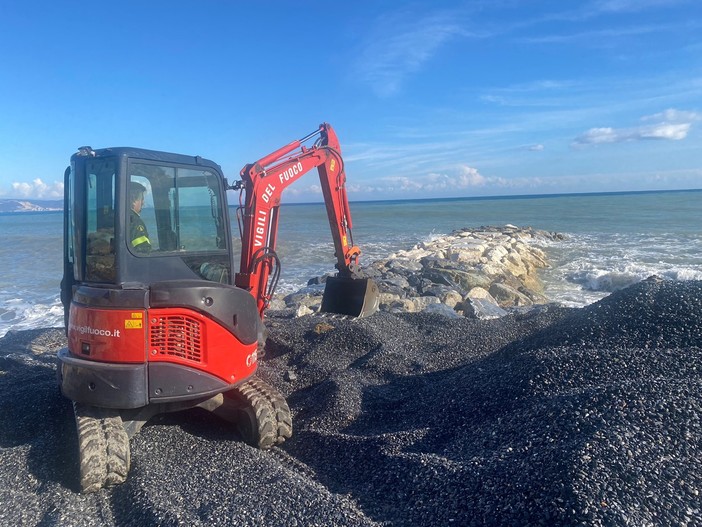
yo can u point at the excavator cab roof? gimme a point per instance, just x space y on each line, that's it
146 154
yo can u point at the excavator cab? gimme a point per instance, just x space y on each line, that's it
147 292
139 217
153 321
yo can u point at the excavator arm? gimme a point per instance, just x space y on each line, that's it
262 185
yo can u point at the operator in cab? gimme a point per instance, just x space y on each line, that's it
138 235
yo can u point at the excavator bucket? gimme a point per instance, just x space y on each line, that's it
355 297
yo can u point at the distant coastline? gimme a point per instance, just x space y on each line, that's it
30 205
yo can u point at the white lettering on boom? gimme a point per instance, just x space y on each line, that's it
260 228
290 173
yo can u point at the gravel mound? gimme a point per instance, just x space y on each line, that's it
557 417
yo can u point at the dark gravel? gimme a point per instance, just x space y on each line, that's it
555 417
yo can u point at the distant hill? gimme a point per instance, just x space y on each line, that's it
30 205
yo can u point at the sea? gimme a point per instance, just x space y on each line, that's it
612 240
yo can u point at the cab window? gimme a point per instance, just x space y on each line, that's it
100 228
173 209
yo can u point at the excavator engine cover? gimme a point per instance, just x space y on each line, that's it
355 297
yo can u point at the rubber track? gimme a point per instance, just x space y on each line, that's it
271 411
103 447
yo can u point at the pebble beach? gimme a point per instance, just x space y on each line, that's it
559 416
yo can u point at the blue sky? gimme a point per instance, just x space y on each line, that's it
428 98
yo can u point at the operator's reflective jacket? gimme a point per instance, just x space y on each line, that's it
138 235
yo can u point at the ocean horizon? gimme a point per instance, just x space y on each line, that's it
401 200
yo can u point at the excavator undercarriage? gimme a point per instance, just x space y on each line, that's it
259 413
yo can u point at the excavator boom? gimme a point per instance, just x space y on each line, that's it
263 182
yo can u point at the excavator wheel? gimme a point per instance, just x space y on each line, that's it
262 415
103 447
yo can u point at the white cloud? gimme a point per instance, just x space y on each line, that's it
399 46
674 132
596 136
672 127
620 20
624 6
535 148
544 92
461 177
465 180
469 177
403 183
38 189
302 191
671 115
597 37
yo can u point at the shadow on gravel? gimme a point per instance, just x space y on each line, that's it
199 423
37 416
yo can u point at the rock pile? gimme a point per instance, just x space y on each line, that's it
476 273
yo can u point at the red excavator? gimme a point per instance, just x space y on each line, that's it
157 321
